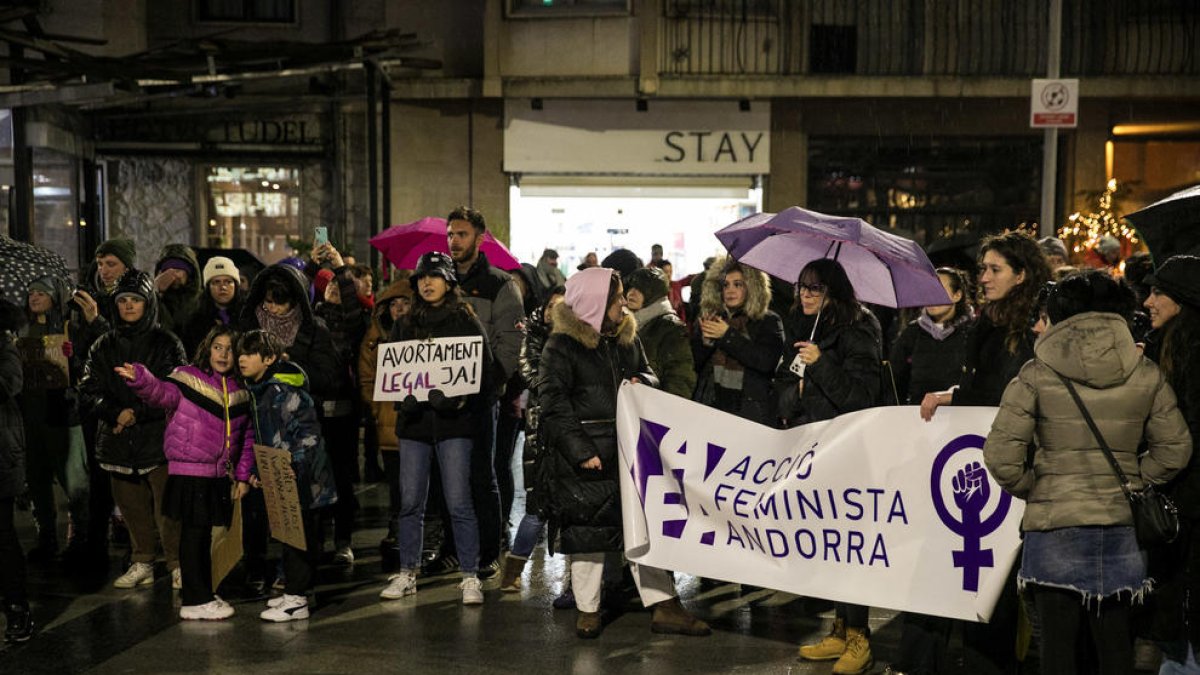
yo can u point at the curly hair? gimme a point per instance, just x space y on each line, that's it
1012 312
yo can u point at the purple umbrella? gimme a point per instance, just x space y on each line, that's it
885 269
403 245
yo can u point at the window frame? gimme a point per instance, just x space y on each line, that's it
198 18
513 10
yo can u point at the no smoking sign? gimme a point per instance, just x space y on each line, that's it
1054 103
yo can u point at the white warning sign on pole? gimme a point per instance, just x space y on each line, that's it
1054 103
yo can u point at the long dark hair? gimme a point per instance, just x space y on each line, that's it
1179 338
201 358
841 302
1012 312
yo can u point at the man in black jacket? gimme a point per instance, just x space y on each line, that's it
493 295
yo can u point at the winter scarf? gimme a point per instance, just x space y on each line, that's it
283 327
728 372
941 331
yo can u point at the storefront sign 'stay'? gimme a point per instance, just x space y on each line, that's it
691 145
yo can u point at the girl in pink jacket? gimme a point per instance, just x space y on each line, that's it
208 442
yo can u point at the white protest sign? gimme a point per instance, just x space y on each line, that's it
452 365
874 508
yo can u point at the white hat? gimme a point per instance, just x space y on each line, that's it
220 266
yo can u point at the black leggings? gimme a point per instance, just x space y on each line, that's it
12 560
1064 618
195 563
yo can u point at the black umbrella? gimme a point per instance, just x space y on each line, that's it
246 262
1170 226
21 263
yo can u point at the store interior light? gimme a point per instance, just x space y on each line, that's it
1154 128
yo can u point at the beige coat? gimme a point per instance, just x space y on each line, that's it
1069 482
384 411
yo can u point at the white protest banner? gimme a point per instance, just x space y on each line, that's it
874 508
453 365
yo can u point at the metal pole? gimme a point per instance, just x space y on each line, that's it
386 152
1048 224
372 159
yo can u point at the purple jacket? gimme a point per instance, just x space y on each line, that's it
211 416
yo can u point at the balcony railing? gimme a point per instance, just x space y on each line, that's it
1004 38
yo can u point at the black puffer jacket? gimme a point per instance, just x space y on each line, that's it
347 323
537 331
922 363
12 430
989 365
846 377
581 372
177 305
313 348
462 416
104 394
207 316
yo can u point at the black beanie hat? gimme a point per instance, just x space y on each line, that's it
650 282
623 261
434 264
1179 278
124 249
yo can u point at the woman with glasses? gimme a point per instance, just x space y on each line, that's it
831 368
737 342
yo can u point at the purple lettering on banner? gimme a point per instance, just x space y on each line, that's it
648 462
715 453
972 488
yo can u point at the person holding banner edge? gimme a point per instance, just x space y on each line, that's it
839 345
592 349
1012 271
442 425
1088 386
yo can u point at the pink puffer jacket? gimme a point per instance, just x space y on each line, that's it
211 416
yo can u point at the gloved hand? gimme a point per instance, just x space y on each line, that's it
443 404
409 405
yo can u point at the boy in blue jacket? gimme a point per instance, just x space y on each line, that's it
285 418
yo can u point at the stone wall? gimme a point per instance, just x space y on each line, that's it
152 201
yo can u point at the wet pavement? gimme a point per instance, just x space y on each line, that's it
85 625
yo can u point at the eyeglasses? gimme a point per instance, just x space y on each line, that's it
813 289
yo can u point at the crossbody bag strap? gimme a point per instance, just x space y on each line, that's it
1087 416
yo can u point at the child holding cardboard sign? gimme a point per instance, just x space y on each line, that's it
286 418
209 430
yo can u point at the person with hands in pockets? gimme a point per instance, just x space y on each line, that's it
444 425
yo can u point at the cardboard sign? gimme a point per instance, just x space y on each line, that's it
45 364
226 546
451 365
284 512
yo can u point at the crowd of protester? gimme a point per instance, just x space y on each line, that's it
159 385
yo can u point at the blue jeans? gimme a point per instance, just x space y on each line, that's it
527 535
454 460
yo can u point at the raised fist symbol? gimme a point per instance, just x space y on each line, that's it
971 487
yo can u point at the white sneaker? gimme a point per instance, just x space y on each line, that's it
138 574
472 589
177 579
344 556
214 610
275 601
290 608
400 585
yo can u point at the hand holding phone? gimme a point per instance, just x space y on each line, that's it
320 236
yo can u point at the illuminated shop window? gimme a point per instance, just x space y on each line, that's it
255 208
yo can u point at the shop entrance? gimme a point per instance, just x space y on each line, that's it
575 218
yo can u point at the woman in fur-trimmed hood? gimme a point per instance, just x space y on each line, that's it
737 343
592 348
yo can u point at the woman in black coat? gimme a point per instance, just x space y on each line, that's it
737 343
592 349
929 354
839 343
442 426
129 436
12 476
1174 305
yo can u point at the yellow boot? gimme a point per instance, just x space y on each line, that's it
857 657
830 647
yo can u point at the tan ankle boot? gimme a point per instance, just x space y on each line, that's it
671 618
857 658
510 579
830 647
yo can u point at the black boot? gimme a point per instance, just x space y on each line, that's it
20 622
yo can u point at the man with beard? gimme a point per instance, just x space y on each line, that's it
494 296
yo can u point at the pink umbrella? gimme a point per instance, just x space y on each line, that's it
403 245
